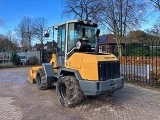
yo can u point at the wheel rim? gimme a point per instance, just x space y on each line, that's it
63 91
42 74
43 81
39 79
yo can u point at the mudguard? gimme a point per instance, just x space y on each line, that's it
49 72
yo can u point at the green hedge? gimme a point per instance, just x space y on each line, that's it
139 49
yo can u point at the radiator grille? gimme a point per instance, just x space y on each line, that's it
108 70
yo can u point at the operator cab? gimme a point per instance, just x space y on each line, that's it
75 35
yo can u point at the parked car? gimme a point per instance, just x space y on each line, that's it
23 60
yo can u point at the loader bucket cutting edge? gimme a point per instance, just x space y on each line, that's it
32 73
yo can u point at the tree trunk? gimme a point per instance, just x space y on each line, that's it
119 46
119 50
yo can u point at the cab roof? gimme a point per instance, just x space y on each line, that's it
75 21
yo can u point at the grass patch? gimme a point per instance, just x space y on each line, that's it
6 65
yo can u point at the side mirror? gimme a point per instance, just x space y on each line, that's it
97 32
46 33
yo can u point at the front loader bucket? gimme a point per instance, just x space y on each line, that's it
32 73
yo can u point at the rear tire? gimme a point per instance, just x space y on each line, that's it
110 93
41 79
68 91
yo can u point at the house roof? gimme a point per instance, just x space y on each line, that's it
54 43
108 39
38 46
50 44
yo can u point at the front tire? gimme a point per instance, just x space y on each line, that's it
68 91
41 79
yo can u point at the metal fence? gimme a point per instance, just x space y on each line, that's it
4 57
140 63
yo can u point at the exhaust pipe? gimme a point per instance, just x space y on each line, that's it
97 41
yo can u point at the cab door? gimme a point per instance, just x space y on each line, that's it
61 41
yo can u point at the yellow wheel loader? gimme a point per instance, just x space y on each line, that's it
78 69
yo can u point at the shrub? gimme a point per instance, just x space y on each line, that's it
6 65
155 51
130 48
33 60
155 75
140 51
15 59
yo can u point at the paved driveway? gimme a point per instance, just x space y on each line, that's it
20 100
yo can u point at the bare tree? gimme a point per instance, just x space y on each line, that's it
28 29
25 32
7 44
154 33
117 15
156 30
82 9
156 4
121 15
38 28
20 30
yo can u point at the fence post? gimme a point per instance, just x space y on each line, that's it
148 71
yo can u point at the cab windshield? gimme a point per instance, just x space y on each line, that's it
85 31
77 31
